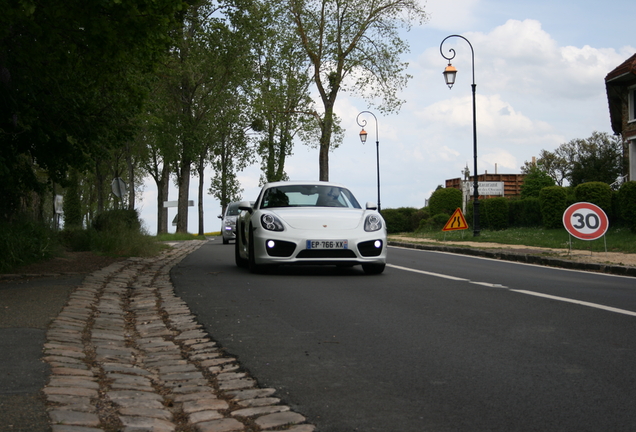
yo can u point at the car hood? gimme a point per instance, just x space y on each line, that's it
321 218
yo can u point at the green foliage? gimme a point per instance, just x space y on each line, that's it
597 158
72 202
553 202
445 200
598 193
403 219
525 212
117 220
535 180
24 242
627 204
434 223
72 76
494 213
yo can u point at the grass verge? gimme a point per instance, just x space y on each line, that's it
617 239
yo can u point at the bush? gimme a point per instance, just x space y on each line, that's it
494 213
403 219
445 200
598 193
24 242
524 212
553 202
117 220
627 204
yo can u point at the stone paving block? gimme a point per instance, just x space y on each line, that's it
152 424
74 418
190 407
68 381
302 428
138 411
222 425
65 353
251 394
204 416
71 371
129 394
204 394
68 399
279 419
259 411
258 402
70 428
236 384
70 391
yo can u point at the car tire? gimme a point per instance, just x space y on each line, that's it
225 241
254 268
373 269
240 261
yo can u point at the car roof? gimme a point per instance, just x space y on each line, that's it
296 183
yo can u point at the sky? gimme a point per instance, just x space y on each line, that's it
539 72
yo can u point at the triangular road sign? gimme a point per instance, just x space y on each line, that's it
456 222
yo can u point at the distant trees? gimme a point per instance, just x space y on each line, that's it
597 158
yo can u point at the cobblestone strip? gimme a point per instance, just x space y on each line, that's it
126 354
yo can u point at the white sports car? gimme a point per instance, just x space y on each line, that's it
309 223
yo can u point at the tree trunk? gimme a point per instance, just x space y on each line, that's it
131 178
325 142
163 186
201 182
184 186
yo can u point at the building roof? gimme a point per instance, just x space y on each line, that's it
615 85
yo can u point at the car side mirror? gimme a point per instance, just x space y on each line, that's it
220 216
371 206
246 206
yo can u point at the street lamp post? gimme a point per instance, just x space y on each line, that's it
363 138
449 75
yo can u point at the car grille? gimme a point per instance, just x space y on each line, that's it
326 253
368 248
280 248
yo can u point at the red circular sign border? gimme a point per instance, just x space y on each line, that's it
596 209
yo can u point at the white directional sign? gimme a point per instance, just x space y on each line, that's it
585 221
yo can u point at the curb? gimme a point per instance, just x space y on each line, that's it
524 258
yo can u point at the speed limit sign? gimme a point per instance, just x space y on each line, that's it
585 221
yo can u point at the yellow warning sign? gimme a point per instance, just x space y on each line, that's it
456 222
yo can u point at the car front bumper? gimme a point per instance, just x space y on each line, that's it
272 247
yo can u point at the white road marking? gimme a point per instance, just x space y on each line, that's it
532 293
578 302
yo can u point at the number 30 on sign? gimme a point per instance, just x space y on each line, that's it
585 221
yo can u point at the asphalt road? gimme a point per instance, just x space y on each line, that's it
438 342
26 310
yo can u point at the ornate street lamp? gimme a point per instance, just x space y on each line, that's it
449 76
363 138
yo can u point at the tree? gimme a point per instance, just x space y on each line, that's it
535 180
353 45
282 103
69 76
597 158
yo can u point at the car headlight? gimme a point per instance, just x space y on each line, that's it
373 222
271 223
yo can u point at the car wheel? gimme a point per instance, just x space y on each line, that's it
372 269
254 268
240 261
225 241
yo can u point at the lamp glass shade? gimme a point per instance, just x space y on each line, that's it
363 136
449 75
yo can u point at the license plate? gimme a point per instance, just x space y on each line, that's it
327 244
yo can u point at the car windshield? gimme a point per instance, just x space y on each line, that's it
233 209
308 196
